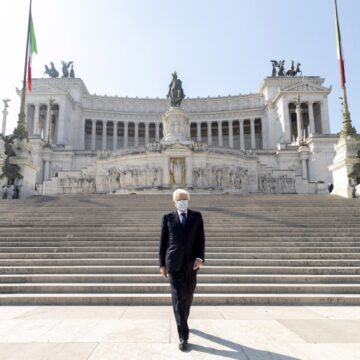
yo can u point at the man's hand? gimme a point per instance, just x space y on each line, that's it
197 264
163 272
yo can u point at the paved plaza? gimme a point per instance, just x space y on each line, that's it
217 332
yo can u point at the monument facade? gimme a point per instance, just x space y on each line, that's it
276 140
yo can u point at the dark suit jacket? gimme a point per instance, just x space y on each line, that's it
181 244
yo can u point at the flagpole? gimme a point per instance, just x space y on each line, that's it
347 129
20 131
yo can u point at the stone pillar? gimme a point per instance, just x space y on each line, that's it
93 135
298 122
287 123
104 134
146 133
311 117
252 133
61 125
198 131
5 113
324 117
231 135
220 137
136 141
157 131
47 170
242 140
36 119
126 128
304 169
209 133
115 136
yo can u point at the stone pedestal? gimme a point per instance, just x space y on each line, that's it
175 127
28 168
343 164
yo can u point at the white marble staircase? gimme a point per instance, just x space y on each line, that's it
102 249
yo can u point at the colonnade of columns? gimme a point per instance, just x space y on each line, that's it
307 122
125 136
107 134
41 121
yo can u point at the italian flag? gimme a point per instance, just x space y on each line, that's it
32 50
339 48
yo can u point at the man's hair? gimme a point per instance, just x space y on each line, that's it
180 191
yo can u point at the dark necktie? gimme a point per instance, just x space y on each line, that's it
183 218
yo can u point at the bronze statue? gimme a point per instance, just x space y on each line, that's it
52 72
281 66
176 92
72 72
65 68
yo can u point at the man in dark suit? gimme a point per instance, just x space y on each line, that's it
181 255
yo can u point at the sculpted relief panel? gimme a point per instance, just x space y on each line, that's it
283 184
127 179
77 185
234 178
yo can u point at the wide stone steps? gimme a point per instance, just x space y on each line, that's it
202 278
153 269
165 299
156 288
90 250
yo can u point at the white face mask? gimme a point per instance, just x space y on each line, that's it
182 205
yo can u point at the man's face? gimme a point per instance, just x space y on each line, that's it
181 196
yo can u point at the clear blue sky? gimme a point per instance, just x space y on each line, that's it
218 47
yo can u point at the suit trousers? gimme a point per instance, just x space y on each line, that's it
183 284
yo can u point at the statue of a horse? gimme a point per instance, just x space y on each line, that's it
65 68
292 71
176 92
52 72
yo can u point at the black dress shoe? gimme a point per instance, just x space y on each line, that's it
183 345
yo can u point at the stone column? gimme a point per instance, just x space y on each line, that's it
47 123
126 128
220 137
242 139
93 135
61 125
198 130
115 136
36 119
146 133
298 122
252 133
287 123
231 135
324 116
136 142
311 117
209 133
104 135
157 131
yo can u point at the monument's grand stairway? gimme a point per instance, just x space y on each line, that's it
284 249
